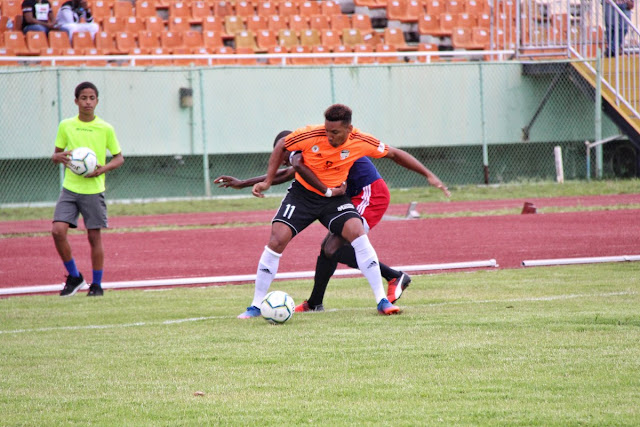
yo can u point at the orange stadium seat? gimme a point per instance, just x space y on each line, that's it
148 40
330 7
320 22
343 59
310 37
266 39
233 24
36 42
428 25
145 8
287 38
180 9
213 23
267 8
321 49
212 40
331 39
245 9
59 40
395 38
199 10
454 6
170 41
309 8
11 7
256 23
276 49
154 23
364 48
82 41
224 50
245 61
246 38
301 60
362 23
428 47
122 8
298 23
386 48
105 42
352 37
288 8
222 8
192 39
179 23
125 43
276 23
100 9
113 24
465 20
133 24
340 22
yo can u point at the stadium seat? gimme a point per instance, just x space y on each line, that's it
213 23
276 23
386 48
395 38
454 6
296 60
154 23
233 24
148 40
244 9
331 39
212 40
256 23
245 61
309 8
171 40
466 20
100 9
310 38
58 40
266 39
343 59
81 41
428 47
122 8
320 22
113 24
434 7
266 8
225 50
288 8
321 49
179 23
145 8
340 22
105 43
364 48
447 21
330 8
246 38
222 8
276 49
94 62
192 39
352 37
8 52
133 24
298 23
483 20
287 38
199 11
36 41
125 43
362 23
11 8
481 37
179 9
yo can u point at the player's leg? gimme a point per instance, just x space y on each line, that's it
66 215
368 263
325 267
93 208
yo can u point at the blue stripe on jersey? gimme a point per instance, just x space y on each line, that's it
361 174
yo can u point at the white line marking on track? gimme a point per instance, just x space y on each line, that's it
198 319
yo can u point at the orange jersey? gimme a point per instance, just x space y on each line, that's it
331 164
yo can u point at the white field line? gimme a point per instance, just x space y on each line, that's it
243 278
199 319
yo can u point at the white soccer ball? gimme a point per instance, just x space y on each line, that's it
277 307
83 161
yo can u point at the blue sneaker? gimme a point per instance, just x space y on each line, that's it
251 312
386 308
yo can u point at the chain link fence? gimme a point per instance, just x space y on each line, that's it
180 127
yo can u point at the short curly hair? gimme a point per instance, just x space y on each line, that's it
85 85
338 113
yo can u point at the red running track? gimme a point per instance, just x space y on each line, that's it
510 239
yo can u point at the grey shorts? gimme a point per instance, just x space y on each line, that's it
92 207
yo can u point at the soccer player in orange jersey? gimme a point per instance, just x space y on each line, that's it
328 150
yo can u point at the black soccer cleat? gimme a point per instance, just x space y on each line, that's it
72 285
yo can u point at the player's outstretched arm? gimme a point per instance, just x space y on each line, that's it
298 164
227 181
407 161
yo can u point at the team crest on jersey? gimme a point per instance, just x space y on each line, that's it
344 154
315 148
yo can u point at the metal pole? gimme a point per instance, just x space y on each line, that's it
205 149
485 148
60 166
598 114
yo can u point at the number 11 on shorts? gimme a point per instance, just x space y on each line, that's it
288 212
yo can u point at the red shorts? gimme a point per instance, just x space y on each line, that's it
372 202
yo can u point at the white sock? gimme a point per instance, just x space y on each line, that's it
369 265
267 269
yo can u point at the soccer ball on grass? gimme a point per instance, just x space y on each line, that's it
277 307
83 161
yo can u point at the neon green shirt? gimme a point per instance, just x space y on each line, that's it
97 135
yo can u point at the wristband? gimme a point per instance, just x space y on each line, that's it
328 193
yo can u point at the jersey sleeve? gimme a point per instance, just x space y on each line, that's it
61 136
375 148
113 145
303 138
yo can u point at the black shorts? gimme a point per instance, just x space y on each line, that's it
301 207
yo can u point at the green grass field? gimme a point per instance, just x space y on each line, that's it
541 346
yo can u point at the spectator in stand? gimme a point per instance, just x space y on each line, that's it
75 16
37 15
616 28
